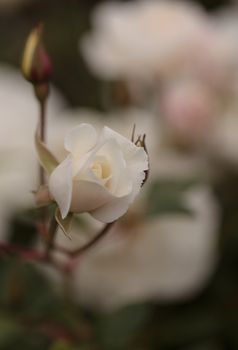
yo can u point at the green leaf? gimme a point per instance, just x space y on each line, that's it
46 158
116 330
62 345
10 332
64 224
22 229
181 326
167 196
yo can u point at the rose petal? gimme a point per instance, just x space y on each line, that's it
88 196
137 166
140 158
136 158
112 210
60 185
81 139
108 133
128 148
121 183
120 180
137 180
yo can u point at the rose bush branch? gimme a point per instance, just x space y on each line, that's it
37 69
51 236
77 252
27 254
41 92
31 255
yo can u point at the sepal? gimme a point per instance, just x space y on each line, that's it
64 224
46 158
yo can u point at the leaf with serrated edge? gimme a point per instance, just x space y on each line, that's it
64 224
46 158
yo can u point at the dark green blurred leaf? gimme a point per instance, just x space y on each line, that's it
167 196
23 228
179 326
116 330
9 331
61 345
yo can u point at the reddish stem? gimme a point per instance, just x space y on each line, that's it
27 254
88 245
31 255
42 136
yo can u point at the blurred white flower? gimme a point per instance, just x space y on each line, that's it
18 161
222 143
143 39
188 108
168 258
215 60
176 165
157 40
175 59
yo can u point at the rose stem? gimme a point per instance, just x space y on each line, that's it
51 235
42 126
42 92
42 135
27 254
30 255
89 245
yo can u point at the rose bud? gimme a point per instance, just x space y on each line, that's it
101 175
36 64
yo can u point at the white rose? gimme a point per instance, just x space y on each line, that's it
101 175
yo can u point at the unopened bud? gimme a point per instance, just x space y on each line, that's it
36 63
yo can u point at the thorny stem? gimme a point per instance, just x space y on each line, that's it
89 245
27 254
51 235
41 93
42 126
42 136
31 255
45 257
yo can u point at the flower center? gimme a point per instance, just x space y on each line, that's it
102 170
